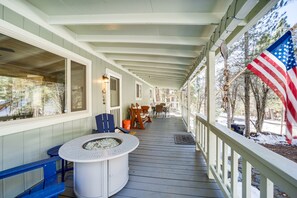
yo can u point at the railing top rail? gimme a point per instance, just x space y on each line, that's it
277 168
260 157
202 118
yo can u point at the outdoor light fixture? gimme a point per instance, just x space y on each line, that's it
105 78
104 86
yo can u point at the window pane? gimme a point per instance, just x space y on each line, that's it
138 91
114 92
78 86
32 81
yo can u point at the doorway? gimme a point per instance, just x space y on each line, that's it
114 96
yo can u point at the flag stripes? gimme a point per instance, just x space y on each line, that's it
277 67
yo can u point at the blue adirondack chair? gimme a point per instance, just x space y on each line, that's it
105 124
48 187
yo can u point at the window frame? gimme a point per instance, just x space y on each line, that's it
140 85
15 126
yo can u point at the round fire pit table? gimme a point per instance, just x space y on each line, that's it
100 163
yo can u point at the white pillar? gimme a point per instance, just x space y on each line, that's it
210 83
189 106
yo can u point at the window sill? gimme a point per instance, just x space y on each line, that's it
16 126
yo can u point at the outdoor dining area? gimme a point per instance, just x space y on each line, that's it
162 109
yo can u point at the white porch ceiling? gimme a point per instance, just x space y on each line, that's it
158 40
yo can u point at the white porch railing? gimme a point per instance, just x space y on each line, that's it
225 145
192 123
185 114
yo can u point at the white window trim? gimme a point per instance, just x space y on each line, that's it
140 84
15 126
109 73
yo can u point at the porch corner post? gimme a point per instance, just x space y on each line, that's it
211 140
189 106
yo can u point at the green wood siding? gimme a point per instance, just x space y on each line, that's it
32 145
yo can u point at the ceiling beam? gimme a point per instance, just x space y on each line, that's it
155 68
159 74
161 79
147 51
159 71
171 40
131 68
152 59
236 13
152 65
138 18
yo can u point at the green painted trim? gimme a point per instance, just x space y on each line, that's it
13 17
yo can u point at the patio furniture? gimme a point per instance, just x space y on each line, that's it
101 172
159 109
138 117
53 152
166 110
105 124
48 187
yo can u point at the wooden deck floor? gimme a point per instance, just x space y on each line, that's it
160 168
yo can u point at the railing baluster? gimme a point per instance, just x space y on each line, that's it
199 134
234 173
218 156
266 187
217 148
206 136
246 178
202 138
225 164
196 133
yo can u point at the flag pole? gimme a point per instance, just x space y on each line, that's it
282 120
294 27
237 75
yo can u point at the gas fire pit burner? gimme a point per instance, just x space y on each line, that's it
102 143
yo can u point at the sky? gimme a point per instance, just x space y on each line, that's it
291 8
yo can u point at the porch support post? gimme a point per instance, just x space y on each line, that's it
210 83
189 106
182 102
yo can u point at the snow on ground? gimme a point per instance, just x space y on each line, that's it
254 191
294 142
269 139
272 126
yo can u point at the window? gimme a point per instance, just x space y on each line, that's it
114 92
34 82
78 86
151 94
138 91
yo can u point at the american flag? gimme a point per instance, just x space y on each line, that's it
277 67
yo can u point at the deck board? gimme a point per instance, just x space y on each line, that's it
160 168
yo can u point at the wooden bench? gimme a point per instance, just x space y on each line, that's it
139 116
48 187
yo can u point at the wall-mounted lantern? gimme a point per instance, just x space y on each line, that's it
105 80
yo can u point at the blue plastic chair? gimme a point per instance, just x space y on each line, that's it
48 187
105 124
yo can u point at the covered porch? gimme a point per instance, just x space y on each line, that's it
161 168
64 62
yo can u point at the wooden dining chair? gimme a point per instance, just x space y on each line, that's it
159 109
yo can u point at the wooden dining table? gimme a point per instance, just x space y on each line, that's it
165 110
